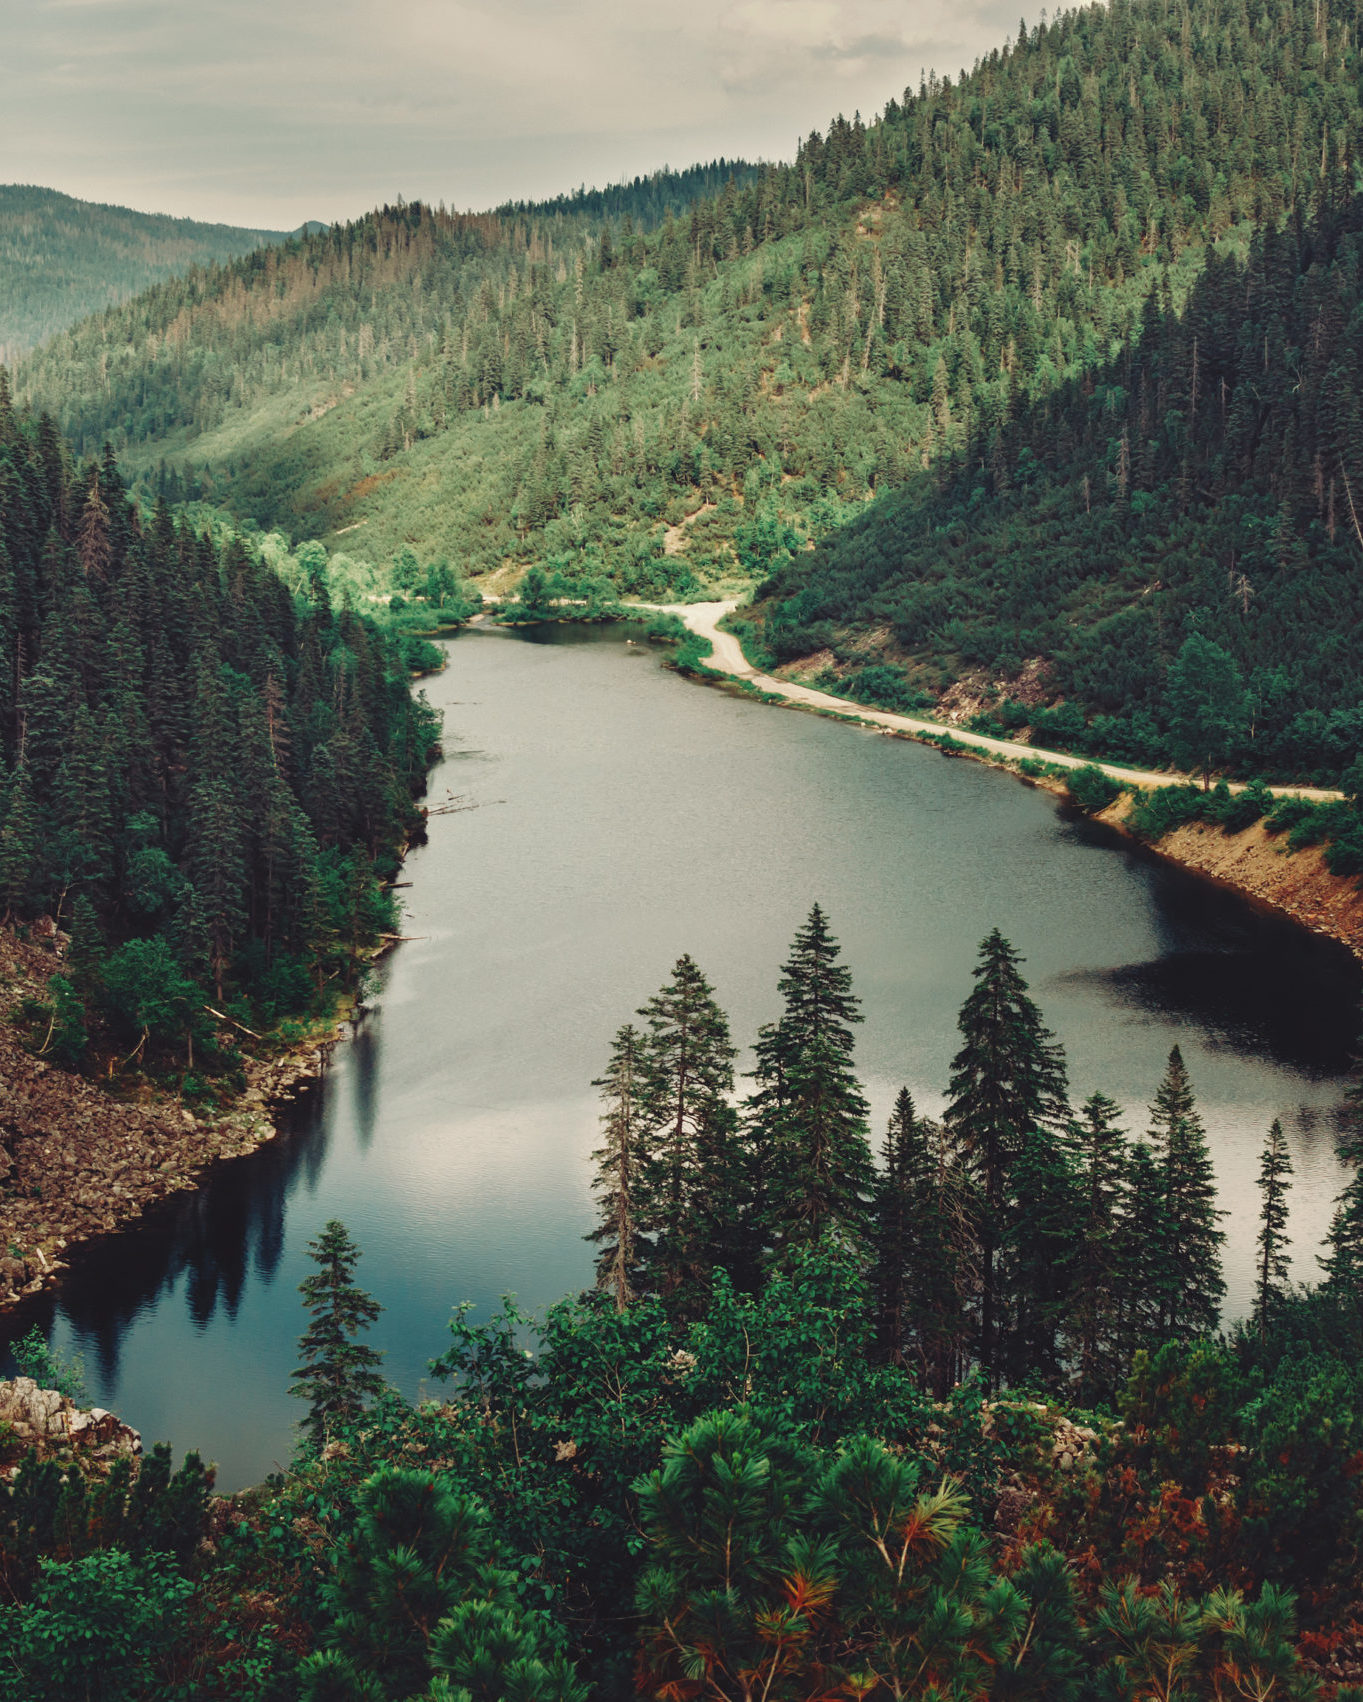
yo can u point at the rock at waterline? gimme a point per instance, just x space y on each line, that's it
52 1425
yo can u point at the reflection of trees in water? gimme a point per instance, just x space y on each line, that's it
1253 1003
1254 983
230 1227
364 1079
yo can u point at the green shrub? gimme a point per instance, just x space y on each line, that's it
884 688
692 655
1167 807
1233 812
1326 821
49 1370
98 1629
1288 814
1092 790
666 628
1344 854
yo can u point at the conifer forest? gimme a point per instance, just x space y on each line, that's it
1026 411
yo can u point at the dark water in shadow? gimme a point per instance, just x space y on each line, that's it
626 816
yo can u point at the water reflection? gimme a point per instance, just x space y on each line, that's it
639 817
364 1081
1250 980
217 1239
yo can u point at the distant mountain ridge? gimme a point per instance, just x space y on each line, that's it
62 259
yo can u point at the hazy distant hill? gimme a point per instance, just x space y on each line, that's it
61 259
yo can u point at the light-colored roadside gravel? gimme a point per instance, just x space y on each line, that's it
703 619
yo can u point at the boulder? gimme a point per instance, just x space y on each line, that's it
52 1423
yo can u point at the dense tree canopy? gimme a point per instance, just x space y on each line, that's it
783 344
205 779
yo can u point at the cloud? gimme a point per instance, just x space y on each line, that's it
264 112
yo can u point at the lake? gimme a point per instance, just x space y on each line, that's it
619 815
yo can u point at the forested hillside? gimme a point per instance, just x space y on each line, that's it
203 777
647 201
63 259
543 385
1208 481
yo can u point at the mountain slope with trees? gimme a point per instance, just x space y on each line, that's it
1180 529
62 259
540 385
205 779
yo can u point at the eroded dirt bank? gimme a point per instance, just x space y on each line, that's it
1258 864
77 1163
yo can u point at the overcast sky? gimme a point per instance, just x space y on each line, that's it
269 112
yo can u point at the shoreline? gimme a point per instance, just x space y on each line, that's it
1256 866
143 1151
78 1165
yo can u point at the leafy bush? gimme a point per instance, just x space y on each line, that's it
1344 855
1092 790
692 653
97 1630
1325 821
789 643
35 1359
1165 808
666 628
884 688
1233 812
1063 728
1289 814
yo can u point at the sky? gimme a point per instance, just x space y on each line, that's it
267 112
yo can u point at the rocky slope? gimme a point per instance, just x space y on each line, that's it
76 1162
53 1426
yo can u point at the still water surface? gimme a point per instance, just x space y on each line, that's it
626 816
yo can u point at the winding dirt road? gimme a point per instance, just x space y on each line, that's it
727 658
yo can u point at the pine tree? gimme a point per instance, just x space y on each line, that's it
1189 1279
619 1161
1275 1179
338 1374
1040 1255
1008 1080
921 1242
1208 706
1343 1263
1102 1156
19 850
690 1192
902 1208
820 1179
1138 1259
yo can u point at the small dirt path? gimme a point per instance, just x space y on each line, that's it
703 619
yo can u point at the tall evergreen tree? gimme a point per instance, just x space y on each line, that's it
1208 706
1093 1330
1041 1252
1139 1259
619 1161
19 849
904 1226
691 1179
1343 1262
339 1374
1189 1279
922 1274
819 1177
1275 1179
1007 1082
